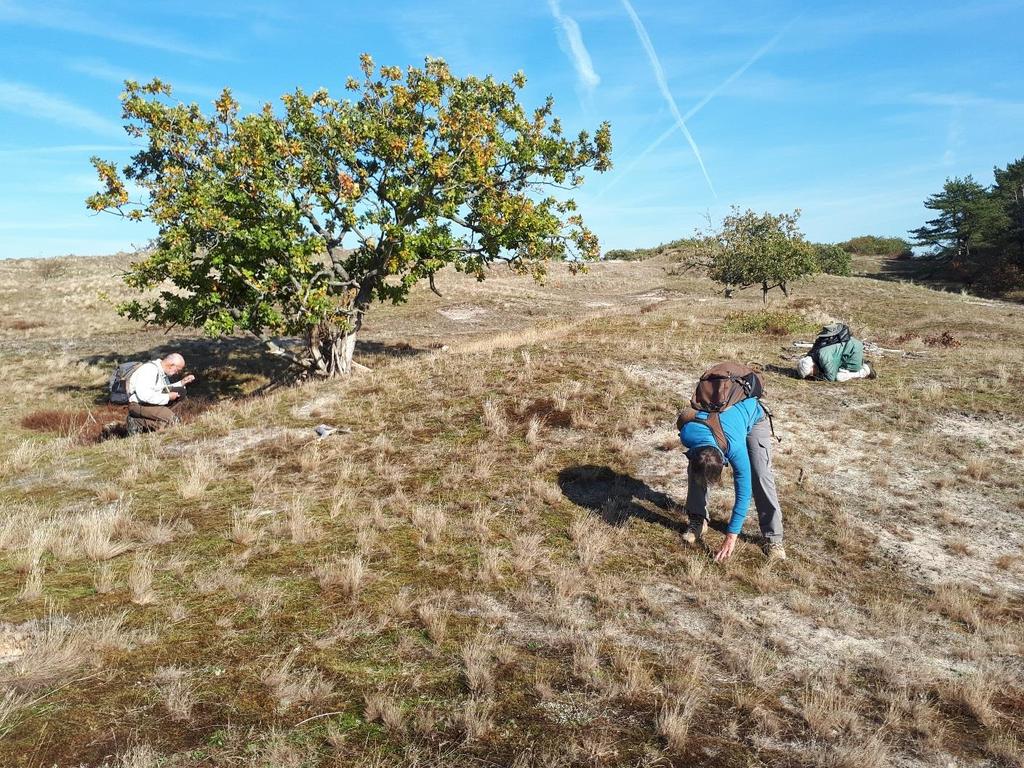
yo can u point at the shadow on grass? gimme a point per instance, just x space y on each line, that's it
226 368
783 370
616 497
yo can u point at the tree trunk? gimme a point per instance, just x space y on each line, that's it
764 292
330 350
785 290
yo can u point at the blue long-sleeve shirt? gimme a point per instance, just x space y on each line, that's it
737 422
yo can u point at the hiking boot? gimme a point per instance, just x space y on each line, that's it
694 531
774 551
872 371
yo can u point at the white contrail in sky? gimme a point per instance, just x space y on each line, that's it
699 106
659 75
577 50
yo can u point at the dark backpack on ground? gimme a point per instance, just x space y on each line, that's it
721 387
834 333
118 385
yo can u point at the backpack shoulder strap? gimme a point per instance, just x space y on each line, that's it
714 422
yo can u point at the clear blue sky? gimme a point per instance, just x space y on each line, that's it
853 114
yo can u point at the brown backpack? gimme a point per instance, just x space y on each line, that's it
721 387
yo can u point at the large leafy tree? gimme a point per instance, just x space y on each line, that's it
755 249
294 222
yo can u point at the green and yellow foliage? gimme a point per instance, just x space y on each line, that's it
295 222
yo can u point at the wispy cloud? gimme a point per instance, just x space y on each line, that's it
65 149
31 102
699 105
102 70
67 19
659 76
577 50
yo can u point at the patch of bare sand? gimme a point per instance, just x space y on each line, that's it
680 381
807 644
13 643
240 441
463 314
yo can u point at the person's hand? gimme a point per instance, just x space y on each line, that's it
188 379
727 547
174 395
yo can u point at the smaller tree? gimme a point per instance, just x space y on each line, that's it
953 232
755 249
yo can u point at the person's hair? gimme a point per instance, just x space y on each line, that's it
708 463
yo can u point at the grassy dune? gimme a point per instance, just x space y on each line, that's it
486 569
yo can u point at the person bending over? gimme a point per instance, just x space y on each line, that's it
749 454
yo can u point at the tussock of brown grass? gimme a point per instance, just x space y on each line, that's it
198 471
177 692
104 579
347 575
430 522
976 694
676 718
478 664
592 538
140 579
826 710
478 717
300 526
32 588
385 709
434 618
98 529
526 549
291 686
956 603
58 646
244 530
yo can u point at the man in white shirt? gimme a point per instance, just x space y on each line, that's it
151 394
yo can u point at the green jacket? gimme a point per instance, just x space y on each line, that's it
835 357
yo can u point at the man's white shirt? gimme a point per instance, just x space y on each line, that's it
149 385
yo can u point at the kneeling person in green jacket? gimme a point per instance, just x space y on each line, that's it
749 453
841 360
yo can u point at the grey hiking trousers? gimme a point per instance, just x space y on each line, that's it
766 498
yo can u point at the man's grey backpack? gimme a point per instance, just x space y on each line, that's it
119 381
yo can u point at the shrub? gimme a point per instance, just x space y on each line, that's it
640 254
872 245
832 259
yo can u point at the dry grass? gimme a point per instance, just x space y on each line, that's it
385 709
592 540
478 664
467 501
199 470
140 579
478 717
675 720
291 686
347 575
177 692
434 617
